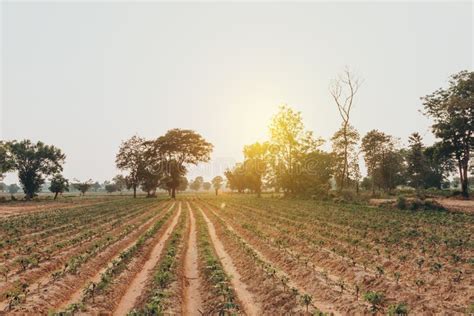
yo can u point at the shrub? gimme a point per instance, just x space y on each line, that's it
375 300
402 203
398 309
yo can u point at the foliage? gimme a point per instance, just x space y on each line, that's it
34 162
174 151
453 112
13 188
131 158
217 183
84 186
58 185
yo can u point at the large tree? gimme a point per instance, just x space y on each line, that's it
34 162
343 90
58 185
177 149
452 110
289 143
131 158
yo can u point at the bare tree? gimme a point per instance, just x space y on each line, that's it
343 90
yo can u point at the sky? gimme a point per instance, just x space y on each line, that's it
86 75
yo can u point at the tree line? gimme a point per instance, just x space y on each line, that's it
292 161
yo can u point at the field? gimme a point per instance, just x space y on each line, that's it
233 254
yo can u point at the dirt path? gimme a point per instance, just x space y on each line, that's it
192 304
76 296
324 306
245 297
136 287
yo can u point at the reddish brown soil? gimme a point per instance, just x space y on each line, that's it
192 302
136 286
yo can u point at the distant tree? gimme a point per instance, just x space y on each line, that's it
120 182
183 184
6 163
34 162
344 143
417 167
111 188
13 188
343 90
131 158
197 184
378 148
3 187
452 110
236 178
96 186
206 186
217 183
177 149
58 185
83 187
256 165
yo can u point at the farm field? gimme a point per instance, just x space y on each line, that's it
237 255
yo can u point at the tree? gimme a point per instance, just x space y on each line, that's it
217 183
34 162
6 163
177 149
344 143
236 178
120 182
83 187
58 185
96 186
131 158
111 188
206 186
13 188
343 90
376 147
197 184
452 110
289 142
416 162
255 165
3 187
439 165
317 168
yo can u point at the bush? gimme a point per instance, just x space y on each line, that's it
402 203
375 300
398 309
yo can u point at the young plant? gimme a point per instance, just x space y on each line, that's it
375 300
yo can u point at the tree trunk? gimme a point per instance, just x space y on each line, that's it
217 191
173 193
56 195
464 182
134 191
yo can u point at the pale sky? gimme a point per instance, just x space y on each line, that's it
84 76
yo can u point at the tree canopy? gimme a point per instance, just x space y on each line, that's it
34 162
452 110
